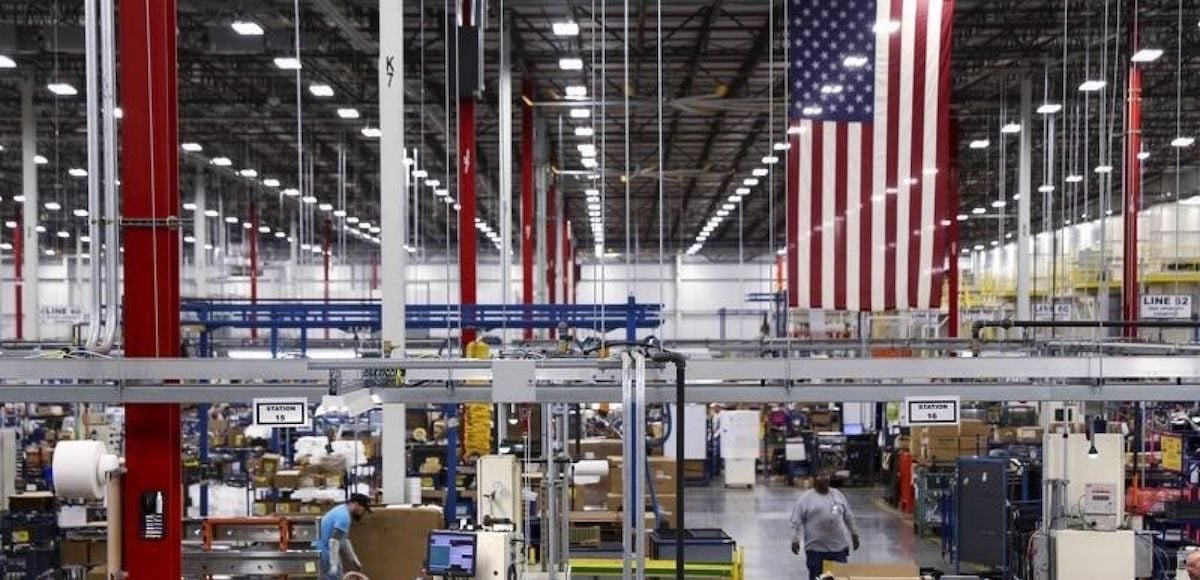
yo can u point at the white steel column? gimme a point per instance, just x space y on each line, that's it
506 213
393 219
1025 188
540 181
200 232
29 219
293 258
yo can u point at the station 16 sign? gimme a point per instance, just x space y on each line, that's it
1159 306
932 410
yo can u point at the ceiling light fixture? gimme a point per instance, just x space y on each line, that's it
62 89
52 206
372 132
247 28
570 63
1011 128
287 63
192 147
1143 155
1049 109
248 173
1092 86
576 91
291 192
978 211
348 113
270 182
760 172
1147 55
320 90
770 160
584 131
231 220
1183 141
566 28
40 159
221 161
211 213
750 181
1074 178
6 62
81 213
581 113
77 172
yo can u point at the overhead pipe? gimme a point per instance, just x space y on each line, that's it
91 87
978 326
110 210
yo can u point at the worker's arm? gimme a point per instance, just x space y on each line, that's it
344 550
848 517
797 525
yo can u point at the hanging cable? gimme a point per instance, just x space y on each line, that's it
661 156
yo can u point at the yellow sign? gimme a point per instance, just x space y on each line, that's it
1172 452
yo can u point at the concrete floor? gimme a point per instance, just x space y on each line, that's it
757 519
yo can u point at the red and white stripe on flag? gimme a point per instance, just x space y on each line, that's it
867 200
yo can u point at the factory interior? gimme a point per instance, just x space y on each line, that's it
584 289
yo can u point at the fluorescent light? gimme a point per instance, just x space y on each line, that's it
1011 128
781 146
287 63
271 182
999 203
6 62
62 89
118 113
52 206
770 160
576 91
440 192
962 217
40 159
432 182
63 234
589 162
570 63
339 213
10 224
728 206
420 173
352 220
247 28
264 229
750 181
795 130
742 191
372 132
584 131
889 27
1092 86
811 110
978 211
581 113
854 61
309 199
82 213
40 229
247 225
291 192
320 90
586 149
19 198
567 28
1183 141
760 172
189 206
364 225
1143 155
77 172
248 173
231 220
192 147
325 207
221 161
1147 55
1074 178
1104 169
1047 188
1049 108
735 199
211 213
280 235
348 113
722 212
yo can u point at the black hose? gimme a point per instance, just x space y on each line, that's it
680 363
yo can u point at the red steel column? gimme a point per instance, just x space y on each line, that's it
527 210
953 238
19 279
466 215
566 256
793 224
551 246
253 266
153 483
1130 301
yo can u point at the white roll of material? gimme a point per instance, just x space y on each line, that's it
80 469
590 471
414 490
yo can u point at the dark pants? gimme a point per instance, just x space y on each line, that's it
816 560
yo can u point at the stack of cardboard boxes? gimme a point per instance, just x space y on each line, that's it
946 443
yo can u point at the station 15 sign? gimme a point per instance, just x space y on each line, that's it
278 412
1166 306
932 410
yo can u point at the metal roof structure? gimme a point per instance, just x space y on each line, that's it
724 63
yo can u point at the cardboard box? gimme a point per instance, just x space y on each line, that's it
1029 435
289 479
873 571
591 497
1004 435
271 462
391 541
74 552
973 428
264 508
662 471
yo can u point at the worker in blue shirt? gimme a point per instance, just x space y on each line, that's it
333 540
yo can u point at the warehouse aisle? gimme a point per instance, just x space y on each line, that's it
758 520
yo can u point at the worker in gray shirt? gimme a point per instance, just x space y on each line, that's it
822 523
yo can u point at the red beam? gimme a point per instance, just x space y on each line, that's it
466 215
527 210
18 277
1130 301
253 265
150 172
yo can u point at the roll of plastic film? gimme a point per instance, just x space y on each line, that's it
78 470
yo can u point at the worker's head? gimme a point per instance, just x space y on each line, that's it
359 505
1193 564
821 483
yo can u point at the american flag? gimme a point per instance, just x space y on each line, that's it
868 181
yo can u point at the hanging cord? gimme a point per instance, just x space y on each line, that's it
450 214
300 181
628 176
1178 124
661 169
602 249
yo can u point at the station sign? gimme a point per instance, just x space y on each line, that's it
281 412
1160 306
923 411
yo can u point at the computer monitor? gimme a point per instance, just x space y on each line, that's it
852 429
451 554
